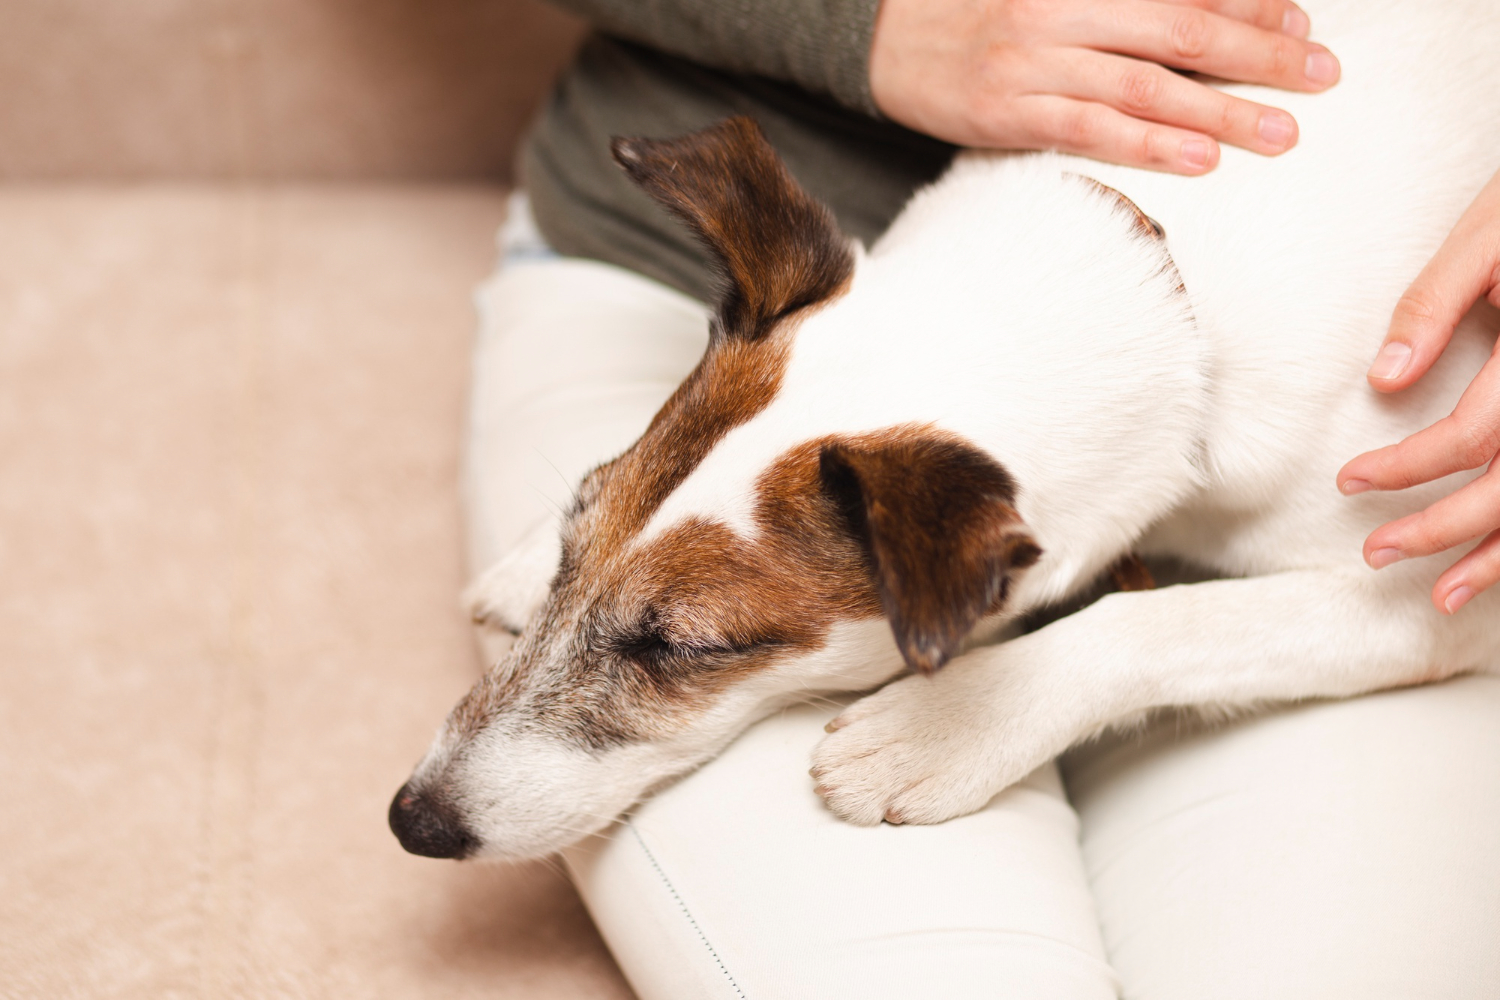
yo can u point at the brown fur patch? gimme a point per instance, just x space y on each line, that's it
680 618
1131 574
778 248
734 381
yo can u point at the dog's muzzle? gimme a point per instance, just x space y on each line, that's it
429 826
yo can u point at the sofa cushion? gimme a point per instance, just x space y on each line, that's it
229 623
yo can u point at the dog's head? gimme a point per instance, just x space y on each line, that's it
666 631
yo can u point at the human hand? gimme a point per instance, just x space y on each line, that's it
1466 269
1090 76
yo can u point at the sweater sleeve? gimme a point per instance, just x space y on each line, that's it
820 45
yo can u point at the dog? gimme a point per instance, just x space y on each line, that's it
884 457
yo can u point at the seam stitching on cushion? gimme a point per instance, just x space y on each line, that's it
685 911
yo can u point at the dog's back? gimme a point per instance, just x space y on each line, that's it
1294 265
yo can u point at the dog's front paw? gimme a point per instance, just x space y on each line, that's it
927 749
506 595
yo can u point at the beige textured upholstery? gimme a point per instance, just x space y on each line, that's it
419 89
229 536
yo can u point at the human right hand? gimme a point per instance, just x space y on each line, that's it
1091 76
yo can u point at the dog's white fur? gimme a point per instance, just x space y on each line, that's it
1016 305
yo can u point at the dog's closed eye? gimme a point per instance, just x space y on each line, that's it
653 647
647 647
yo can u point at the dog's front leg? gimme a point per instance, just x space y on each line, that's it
925 749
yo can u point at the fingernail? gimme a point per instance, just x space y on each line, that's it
1195 153
1276 130
1353 486
1457 598
1295 23
1321 68
1391 361
1381 558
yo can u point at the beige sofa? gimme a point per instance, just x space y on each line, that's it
237 242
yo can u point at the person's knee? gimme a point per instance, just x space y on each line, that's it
1338 849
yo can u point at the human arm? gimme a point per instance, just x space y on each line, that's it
1465 270
822 46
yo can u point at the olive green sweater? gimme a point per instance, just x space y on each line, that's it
663 67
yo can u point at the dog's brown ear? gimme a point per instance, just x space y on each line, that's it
936 518
778 248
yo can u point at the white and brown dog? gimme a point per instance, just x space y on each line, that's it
885 456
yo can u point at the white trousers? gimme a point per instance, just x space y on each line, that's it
1329 851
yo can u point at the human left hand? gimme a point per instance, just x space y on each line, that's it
1466 269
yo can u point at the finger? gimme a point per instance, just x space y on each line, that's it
1466 439
1189 38
1475 572
1457 518
1462 271
1149 91
1272 15
1102 133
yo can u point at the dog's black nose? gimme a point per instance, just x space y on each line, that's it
428 826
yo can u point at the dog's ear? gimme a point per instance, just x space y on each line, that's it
937 521
777 247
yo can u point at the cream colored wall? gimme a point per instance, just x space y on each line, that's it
275 89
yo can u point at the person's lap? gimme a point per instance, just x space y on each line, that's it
1322 851
1327 851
